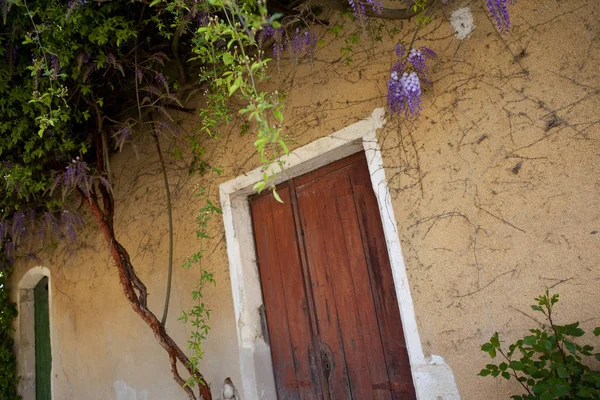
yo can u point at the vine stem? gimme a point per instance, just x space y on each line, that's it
134 289
562 352
163 320
136 293
170 217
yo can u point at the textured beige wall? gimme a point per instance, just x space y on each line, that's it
480 236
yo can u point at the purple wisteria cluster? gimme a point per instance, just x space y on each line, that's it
14 231
54 67
75 176
499 11
11 53
408 75
73 5
301 44
162 80
202 18
360 7
122 136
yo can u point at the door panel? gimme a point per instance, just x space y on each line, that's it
322 249
285 301
330 302
382 283
326 207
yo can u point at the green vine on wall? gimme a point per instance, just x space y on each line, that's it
82 78
199 315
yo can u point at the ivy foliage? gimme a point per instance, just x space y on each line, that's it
548 363
8 362
82 78
84 74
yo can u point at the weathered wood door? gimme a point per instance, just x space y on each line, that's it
330 304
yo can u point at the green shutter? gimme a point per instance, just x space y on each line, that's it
43 357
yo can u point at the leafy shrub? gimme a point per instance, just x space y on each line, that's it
547 363
8 374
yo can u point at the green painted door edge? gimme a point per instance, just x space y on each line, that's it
43 355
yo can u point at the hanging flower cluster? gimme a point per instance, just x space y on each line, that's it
359 9
73 5
499 11
408 75
301 44
14 231
75 176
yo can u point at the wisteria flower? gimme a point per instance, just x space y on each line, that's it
50 223
359 9
417 58
408 75
18 227
72 5
70 222
76 176
499 11
303 44
122 136
412 89
278 35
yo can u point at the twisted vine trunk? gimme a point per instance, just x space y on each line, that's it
137 295
134 289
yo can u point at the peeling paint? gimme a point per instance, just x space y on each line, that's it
462 22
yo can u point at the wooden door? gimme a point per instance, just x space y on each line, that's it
331 309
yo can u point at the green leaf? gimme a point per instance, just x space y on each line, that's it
236 85
487 347
516 365
561 371
259 186
278 115
495 340
546 344
227 59
276 195
547 396
529 340
570 346
597 331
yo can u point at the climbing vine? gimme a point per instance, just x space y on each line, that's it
81 79
8 362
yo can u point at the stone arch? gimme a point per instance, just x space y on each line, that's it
25 335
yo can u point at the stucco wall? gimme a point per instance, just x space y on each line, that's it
495 190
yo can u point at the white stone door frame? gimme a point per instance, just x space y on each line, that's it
432 378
